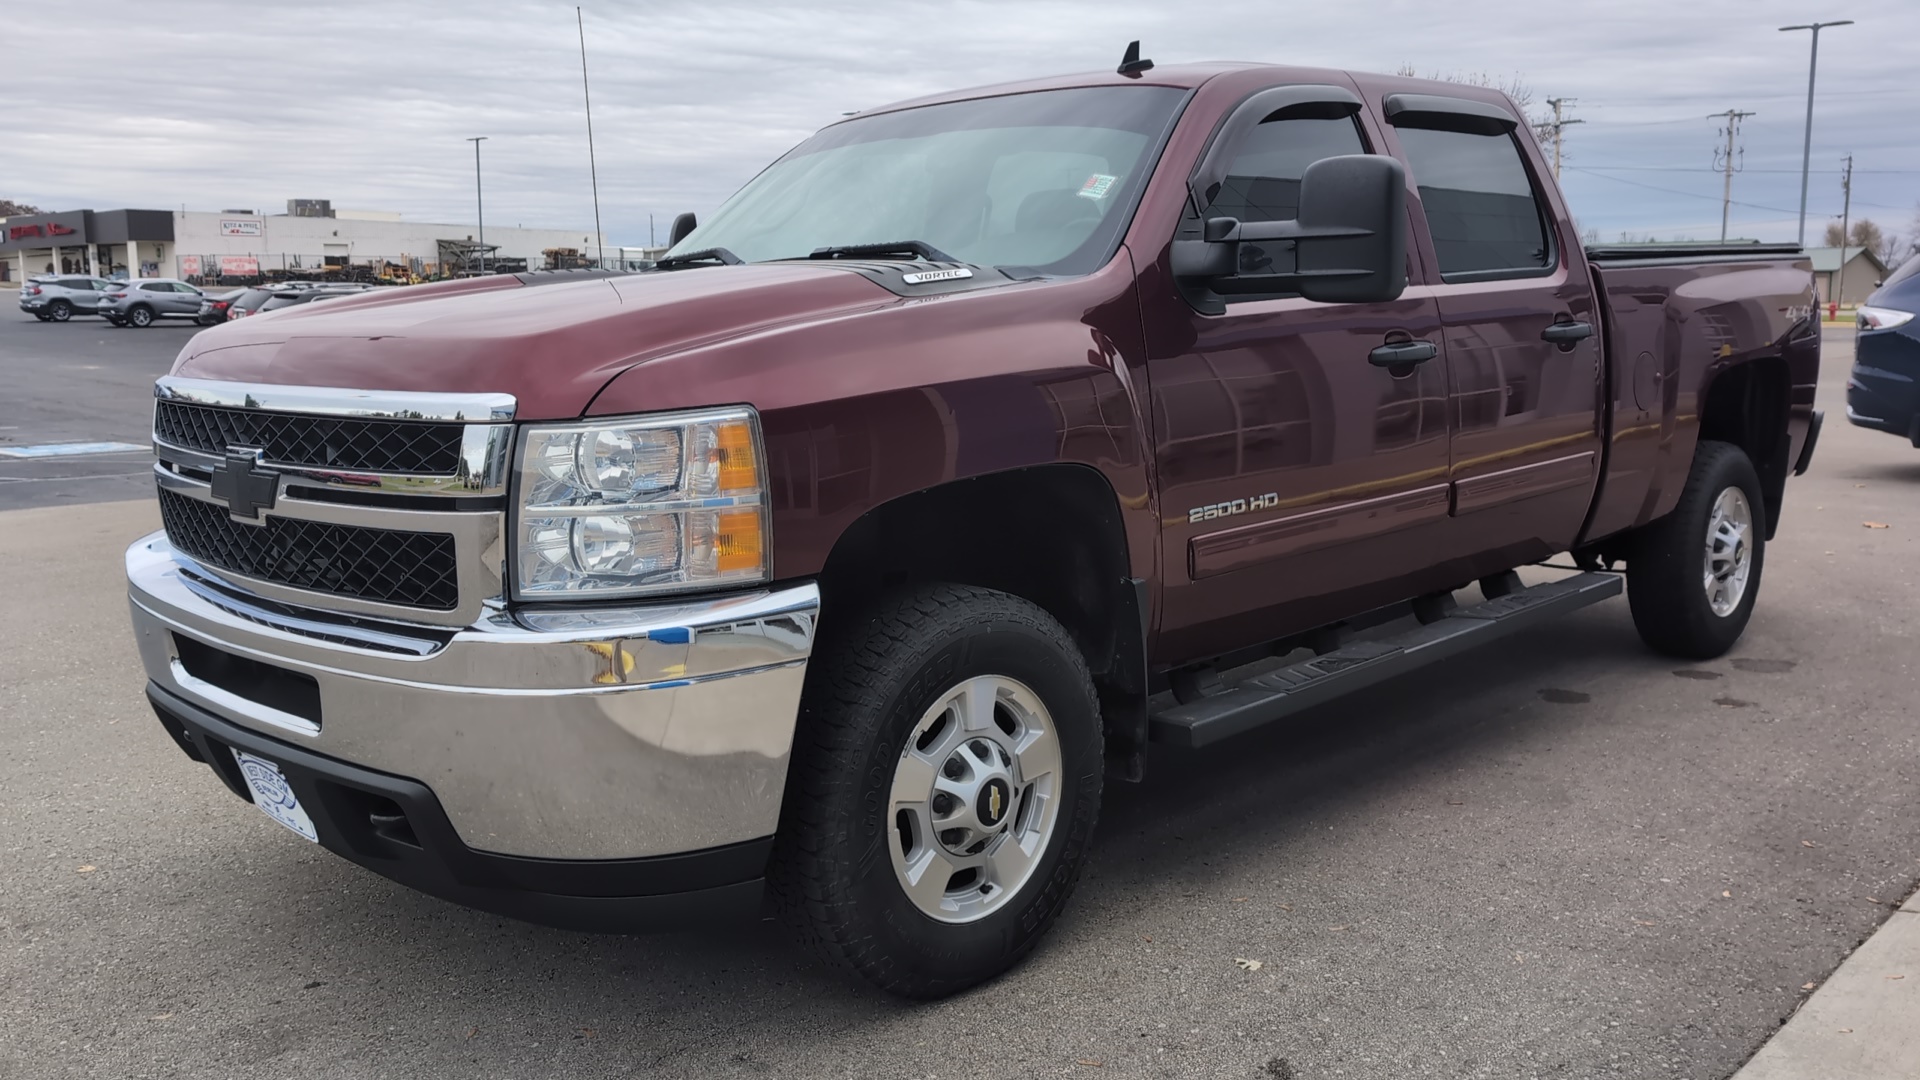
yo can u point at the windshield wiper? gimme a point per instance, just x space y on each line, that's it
704 255
918 248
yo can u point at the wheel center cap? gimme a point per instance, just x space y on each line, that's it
995 799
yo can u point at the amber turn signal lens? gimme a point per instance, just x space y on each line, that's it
739 468
737 540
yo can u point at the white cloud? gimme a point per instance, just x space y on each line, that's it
227 105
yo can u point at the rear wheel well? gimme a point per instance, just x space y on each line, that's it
1747 406
1050 534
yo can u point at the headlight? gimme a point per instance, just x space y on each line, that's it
643 504
1879 318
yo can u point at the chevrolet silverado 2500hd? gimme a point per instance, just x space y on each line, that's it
978 443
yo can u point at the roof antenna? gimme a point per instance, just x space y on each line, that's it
1131 65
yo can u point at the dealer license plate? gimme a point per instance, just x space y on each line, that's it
271 794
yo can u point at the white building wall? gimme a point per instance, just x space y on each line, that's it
359 239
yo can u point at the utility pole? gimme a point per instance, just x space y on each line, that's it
1846 208
479 208
1806 143
1728 164
1556 125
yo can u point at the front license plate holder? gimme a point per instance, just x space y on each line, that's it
273 795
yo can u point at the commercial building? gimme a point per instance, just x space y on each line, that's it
1864 273
237 245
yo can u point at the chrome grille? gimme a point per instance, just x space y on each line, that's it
414 569
347 443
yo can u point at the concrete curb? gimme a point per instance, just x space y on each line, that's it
1864 1022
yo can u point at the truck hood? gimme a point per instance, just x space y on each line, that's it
552 346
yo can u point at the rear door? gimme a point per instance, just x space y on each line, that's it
1524 363
1297 478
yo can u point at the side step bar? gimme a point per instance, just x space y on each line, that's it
1288 690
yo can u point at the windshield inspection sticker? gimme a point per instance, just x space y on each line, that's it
1097 186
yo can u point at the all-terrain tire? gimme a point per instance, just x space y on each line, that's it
1668 588
869 685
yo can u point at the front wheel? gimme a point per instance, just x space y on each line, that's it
945 781
141 316
1693 575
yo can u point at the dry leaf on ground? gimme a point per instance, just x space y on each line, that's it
1091 1063
1728 893
86 869
1806 986
1806 843
1248 965
1876 525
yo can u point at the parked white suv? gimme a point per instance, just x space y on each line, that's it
59 297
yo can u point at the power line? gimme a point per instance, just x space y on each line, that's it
1677 191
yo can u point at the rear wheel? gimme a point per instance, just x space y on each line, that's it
140 315
60 311
945 781
1694 575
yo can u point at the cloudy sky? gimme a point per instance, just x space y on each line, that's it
229 105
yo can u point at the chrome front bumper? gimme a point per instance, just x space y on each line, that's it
592 733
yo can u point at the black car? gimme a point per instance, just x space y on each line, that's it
283 298
1883 390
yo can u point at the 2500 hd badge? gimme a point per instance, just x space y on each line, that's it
1233 506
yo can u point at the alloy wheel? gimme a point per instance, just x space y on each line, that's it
1729 551
975 798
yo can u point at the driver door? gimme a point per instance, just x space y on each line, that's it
1299 481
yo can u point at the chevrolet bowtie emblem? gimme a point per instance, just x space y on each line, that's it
993 803
244 486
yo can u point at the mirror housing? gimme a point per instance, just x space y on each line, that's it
682 225
1350 238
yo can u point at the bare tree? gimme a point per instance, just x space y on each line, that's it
1868 234
1513 85
9 208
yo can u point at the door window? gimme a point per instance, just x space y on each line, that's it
1263 183
1482 209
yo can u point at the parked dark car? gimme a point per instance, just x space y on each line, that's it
286 298
1883 390
214 306
248 301
59 297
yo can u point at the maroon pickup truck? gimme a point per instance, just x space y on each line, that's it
974 446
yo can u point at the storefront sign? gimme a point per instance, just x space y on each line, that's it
189 265
50 229
240 227
239 265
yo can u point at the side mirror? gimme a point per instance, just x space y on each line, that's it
1350 238
682 225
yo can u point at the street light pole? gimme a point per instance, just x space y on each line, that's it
480 208
1806 144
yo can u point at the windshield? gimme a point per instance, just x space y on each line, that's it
1043 181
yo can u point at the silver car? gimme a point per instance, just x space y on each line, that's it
59 297
144 302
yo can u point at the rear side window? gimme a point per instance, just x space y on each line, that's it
1483 212
275 303
82 284
1263 183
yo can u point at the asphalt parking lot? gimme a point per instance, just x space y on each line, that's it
1559 857
83 381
